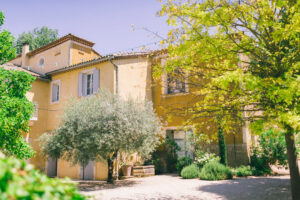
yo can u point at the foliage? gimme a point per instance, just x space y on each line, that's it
242 171
36 38
249 68
183 162
15 112
7 52
215 171
273 147
117 126
202 158
222 144
158 165
18 180
259 163
172 148
165 155
271 150
191 171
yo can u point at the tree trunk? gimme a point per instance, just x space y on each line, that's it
293 165
110 171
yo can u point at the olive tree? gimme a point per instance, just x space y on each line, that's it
100 126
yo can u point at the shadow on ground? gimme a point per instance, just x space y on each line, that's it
267 188
87 186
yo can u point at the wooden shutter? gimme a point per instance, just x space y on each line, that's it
80 85
54 92
84 85
95 81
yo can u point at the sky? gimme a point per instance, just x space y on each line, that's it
107 23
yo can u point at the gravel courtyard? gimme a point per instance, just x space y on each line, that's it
169 187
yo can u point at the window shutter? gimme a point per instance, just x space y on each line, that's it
95 81
53 92
80 85
164 83
84 85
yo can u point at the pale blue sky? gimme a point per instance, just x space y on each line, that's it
105 22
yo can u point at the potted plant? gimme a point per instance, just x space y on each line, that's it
126 168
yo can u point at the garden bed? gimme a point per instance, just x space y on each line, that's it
143 171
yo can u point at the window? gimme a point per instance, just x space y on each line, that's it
88 82
176 82
181 138
35 114
55 91
41 62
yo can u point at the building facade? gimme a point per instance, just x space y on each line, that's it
70 68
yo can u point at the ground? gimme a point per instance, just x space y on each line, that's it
169 187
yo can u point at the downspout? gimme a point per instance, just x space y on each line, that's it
117 92
117 75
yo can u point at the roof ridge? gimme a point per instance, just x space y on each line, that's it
59 41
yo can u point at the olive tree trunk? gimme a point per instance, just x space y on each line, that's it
293 164
110 164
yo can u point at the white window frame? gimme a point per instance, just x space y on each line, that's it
86 72
56 82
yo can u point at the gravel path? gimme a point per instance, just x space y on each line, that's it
169 187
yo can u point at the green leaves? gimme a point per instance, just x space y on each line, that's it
19 180
7 52
97 127
36 38
15 112
242 58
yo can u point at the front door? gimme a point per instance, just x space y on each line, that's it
52 167
88 172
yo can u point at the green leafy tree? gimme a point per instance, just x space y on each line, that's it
15 112
19 180
244 55
7 51
98 127
36 38
222 144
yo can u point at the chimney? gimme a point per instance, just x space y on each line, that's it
25 50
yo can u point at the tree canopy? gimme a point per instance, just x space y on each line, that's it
100 126
7 51
244 57
36 38
15 112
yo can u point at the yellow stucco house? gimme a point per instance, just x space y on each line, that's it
70 67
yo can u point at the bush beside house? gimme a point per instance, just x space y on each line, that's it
189 172
215 171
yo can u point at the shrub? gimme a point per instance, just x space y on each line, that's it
164 157
18 180
270 151
183 162
191 171
158 166
243 171
202 158
215 171
259 163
